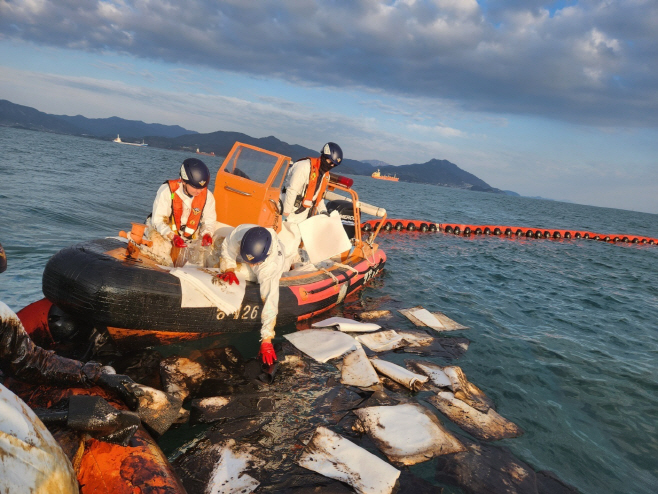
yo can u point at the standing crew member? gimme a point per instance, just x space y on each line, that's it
303 183
266 259
183 209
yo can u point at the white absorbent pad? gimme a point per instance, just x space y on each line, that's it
357 370
435 373
382 341
333 456
399 374
407 433
228 475
488 426
324 236
322 344
200 288
435 320
347 325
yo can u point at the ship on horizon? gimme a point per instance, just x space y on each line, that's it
139 144
379 176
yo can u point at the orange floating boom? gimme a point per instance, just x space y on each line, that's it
502 230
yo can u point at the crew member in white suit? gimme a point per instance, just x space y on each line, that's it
303 183
184 209
266 259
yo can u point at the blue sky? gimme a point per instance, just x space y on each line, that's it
553 99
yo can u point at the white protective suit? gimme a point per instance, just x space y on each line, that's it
31 461
267 274
162 211
295 185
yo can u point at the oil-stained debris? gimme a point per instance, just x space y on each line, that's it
375 314
483 469
489 426
446 348
182 376
399 374
382 341
407 433
334 456
453 378
212 409
435 320
357 370
229 474
157 410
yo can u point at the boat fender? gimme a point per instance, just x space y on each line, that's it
487 231
529 233
497 231
557 235
519 233
508 232
567 235
399 226
457 230
467 231
448 229
478 231
388 226
432 228
423 227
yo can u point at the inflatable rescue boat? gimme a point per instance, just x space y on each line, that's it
114 284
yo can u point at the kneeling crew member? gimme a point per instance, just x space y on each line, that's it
183 209
303 183
265 256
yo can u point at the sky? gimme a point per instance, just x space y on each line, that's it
557 99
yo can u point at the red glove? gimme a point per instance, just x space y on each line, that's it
206 240
229 277
267 353
178 242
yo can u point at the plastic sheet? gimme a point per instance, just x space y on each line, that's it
488 426
335 457
407 433
347 325
399 374
357 370
322 344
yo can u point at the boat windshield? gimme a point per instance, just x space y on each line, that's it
253 165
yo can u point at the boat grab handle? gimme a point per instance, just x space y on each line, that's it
237 191
276 206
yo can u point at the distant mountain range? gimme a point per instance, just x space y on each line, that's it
434 172
25 117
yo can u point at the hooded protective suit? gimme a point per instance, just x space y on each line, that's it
267 274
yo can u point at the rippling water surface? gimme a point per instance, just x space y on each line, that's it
564 334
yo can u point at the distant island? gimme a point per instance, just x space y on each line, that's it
434 172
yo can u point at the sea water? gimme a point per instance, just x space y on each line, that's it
564 334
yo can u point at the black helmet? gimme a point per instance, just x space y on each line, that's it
3 260
194 172
331 154
255 245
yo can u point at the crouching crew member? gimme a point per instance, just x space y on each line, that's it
183 209
266 260
303 183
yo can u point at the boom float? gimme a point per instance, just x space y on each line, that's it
501 230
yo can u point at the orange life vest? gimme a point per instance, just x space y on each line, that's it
307 201
193 220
